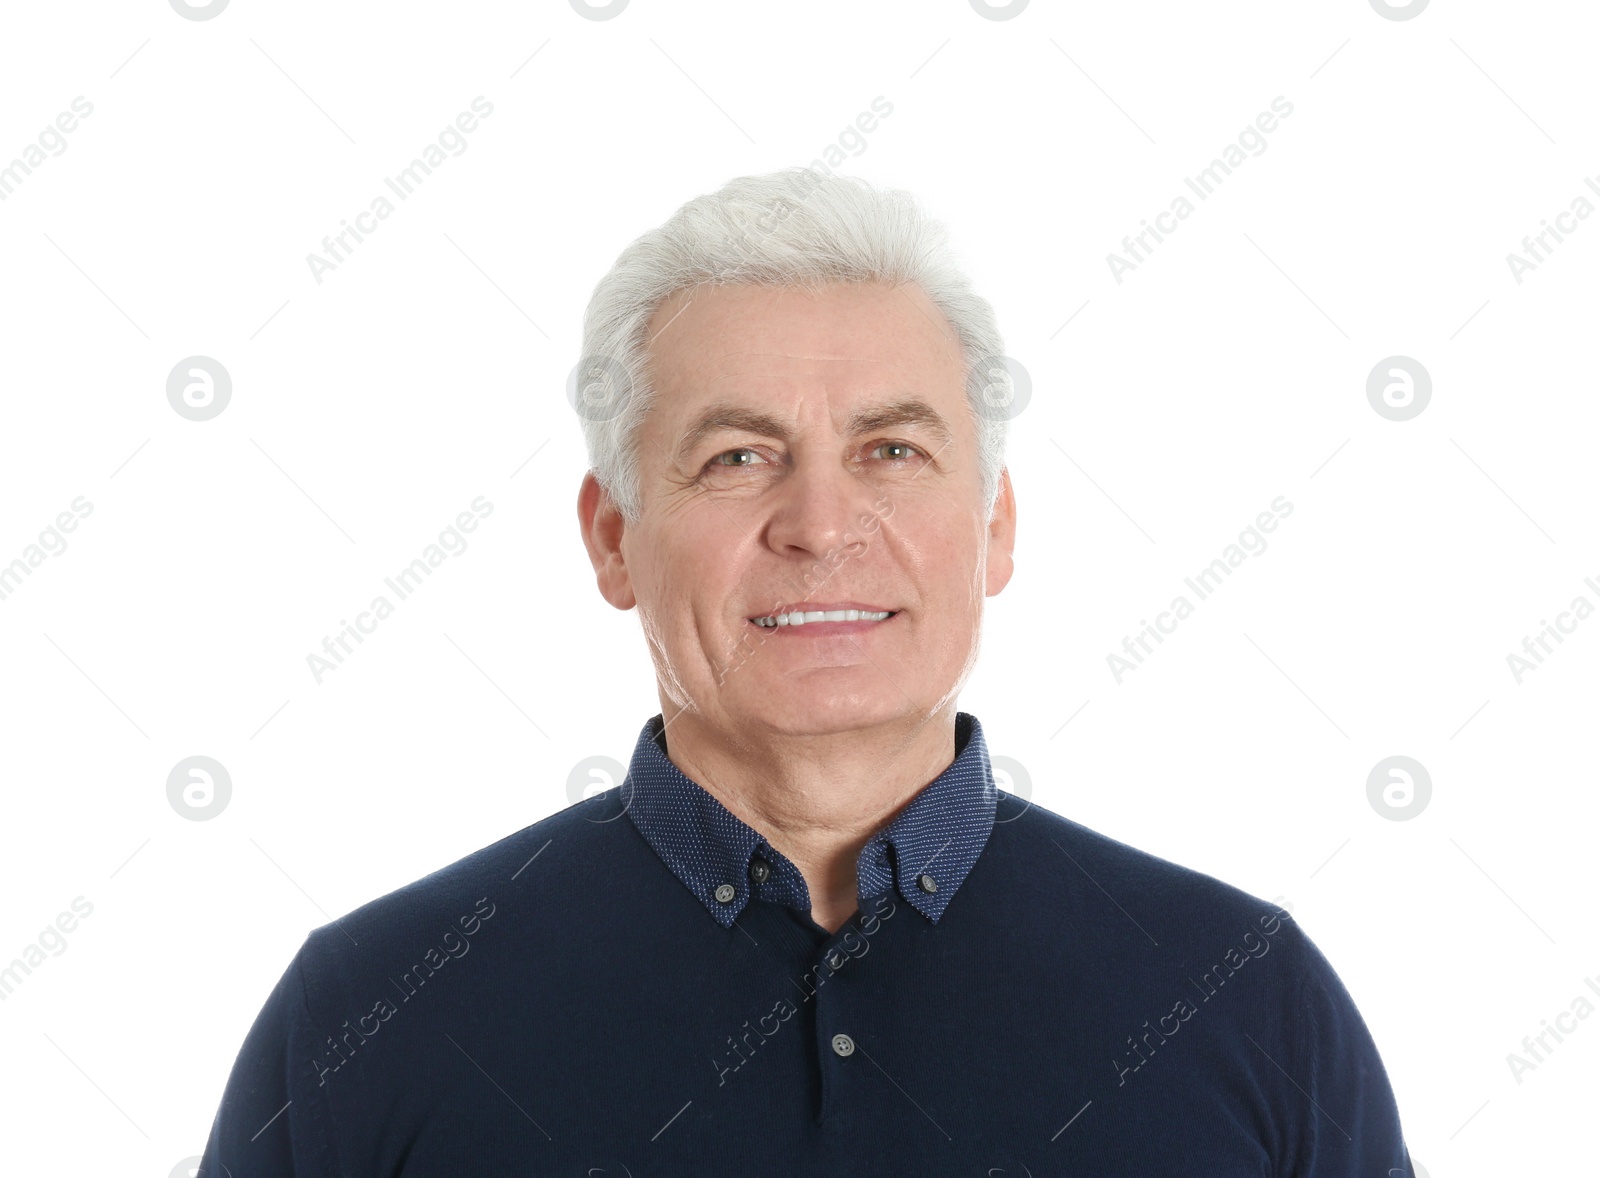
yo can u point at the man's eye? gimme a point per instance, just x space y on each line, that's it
906 450
718 460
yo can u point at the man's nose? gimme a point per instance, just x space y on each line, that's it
815 508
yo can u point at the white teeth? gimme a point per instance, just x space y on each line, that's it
833 615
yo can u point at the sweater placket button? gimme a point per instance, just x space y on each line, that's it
843 1045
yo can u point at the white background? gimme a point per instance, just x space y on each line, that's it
429 368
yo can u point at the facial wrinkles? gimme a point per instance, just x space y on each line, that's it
660 646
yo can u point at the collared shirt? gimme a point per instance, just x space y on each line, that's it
925 852
576 999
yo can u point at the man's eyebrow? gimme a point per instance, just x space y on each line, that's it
910 411
726 417
720 417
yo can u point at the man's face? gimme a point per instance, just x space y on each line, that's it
806 451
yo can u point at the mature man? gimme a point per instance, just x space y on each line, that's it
806 935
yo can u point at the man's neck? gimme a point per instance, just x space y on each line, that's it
817 799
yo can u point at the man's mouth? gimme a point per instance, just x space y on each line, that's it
800 617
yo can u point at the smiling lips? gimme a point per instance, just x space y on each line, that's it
819 618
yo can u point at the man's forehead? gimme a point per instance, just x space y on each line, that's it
752 359
856 394
727 369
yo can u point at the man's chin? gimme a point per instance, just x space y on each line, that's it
823 709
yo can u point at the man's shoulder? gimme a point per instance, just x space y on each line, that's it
531 857
1147 888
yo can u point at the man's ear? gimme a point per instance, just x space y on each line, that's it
602 526
1002 538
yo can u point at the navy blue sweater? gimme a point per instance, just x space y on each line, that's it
635 986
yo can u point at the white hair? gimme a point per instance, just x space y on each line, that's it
797 227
